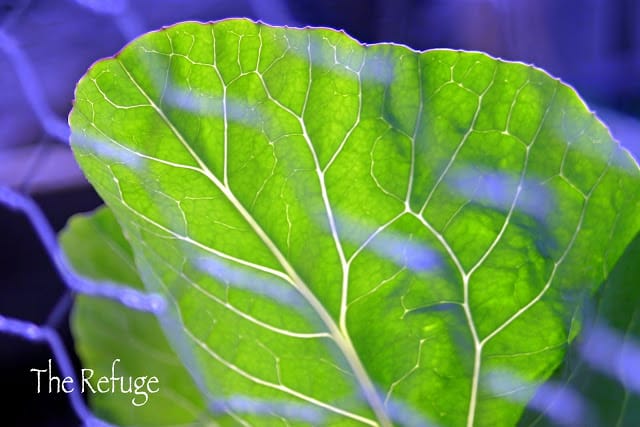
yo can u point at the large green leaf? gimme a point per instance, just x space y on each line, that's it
354 234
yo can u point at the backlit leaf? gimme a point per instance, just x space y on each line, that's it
354 234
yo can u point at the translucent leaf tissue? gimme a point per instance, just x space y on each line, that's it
345 234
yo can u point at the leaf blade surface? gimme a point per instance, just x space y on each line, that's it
418 220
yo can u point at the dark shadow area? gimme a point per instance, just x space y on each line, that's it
31 290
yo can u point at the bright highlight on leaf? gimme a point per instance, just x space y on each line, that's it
349 234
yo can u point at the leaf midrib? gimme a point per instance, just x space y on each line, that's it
343 342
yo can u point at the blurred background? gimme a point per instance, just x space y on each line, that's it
47 45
